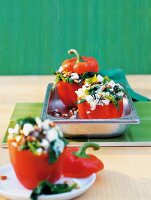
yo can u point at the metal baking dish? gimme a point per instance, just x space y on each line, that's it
88 128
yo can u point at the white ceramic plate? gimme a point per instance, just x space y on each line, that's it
12 189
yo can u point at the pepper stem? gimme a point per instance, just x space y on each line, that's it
73 51
82 151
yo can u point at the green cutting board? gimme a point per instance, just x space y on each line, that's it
136 135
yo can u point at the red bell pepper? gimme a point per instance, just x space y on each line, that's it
66 92
78 164
30 169
100 112
80 65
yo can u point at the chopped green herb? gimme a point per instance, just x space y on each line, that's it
106 79
33 146
23 147
70 81
52 155
112 99
48 188
29 120
81 101
88 75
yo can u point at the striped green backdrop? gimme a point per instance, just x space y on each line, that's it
36 34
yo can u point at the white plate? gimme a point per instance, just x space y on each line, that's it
12 189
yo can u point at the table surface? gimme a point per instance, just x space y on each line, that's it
127 173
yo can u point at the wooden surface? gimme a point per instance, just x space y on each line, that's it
127 173
36 34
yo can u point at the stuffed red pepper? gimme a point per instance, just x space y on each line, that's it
71 75
36 151
100 97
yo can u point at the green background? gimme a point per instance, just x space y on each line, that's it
36 34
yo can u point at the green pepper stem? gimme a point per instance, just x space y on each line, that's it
73 51
82 150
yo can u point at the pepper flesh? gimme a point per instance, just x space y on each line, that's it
100 112
30 169
78 164
66 92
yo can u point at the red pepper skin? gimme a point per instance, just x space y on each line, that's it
66 93
30 169
80 167
88 64
79 65
100 112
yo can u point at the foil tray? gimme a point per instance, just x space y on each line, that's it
88 128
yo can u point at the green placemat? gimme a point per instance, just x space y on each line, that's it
136 135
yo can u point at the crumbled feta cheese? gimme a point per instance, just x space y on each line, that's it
96 101
27 129
60 69
77 81
87 85
45 143
120 93
52 135
80 92
46 123
106 101
74 76
39 122
39 151
14 130
100 78
88 112
111 83
92 105
95 92
58 147
89 99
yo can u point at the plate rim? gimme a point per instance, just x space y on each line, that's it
75 192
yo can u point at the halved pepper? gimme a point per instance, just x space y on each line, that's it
78 164
79 65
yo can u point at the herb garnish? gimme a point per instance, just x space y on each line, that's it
64 76
48 188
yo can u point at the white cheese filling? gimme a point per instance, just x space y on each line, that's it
99 96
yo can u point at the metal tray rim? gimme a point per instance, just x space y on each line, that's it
132 118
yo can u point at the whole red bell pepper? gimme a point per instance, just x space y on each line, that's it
30 169
100 112
78 164
79 65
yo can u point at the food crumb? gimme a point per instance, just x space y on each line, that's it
3 178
